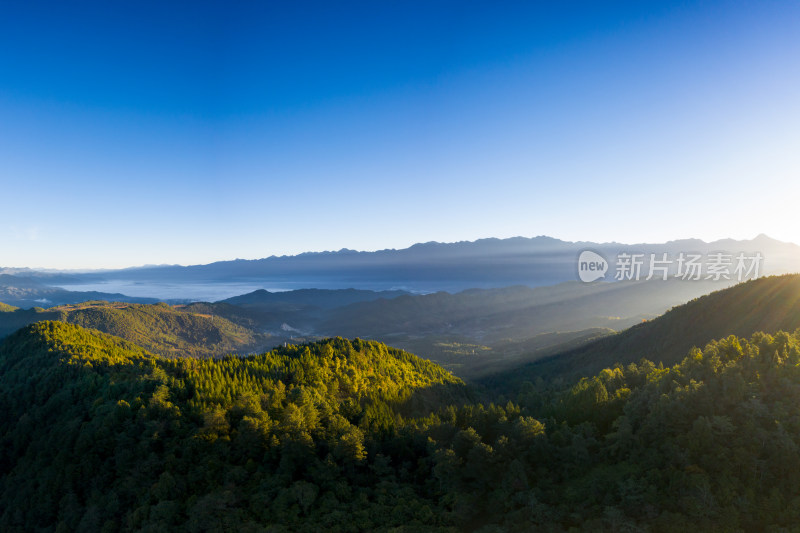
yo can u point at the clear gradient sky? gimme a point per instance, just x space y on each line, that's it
188 132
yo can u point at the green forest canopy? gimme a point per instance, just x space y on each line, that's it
339 435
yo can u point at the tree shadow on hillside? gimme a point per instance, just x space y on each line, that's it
425 400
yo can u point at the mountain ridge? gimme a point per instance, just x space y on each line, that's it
434 266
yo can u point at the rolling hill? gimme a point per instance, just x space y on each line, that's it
301 309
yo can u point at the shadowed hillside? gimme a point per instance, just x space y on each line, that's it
767 304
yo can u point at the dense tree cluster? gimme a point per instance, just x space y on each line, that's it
100 435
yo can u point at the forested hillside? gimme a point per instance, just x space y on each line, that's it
100 435
171 331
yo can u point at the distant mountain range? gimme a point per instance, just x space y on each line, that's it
430 267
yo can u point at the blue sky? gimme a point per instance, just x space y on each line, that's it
188 132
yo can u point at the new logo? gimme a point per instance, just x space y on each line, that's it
591 266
